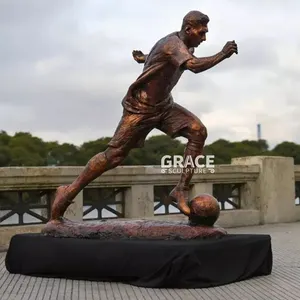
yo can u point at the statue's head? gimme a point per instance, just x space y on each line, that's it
194 27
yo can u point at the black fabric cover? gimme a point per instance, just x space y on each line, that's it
154 264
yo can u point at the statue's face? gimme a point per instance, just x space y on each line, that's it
196 35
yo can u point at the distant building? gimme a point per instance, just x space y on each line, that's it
258 132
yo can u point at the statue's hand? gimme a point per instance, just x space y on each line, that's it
230 48
138 56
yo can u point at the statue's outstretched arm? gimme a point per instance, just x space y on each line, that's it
201 64
139 56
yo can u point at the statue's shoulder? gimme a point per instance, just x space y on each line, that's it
171 37
169 41
166 46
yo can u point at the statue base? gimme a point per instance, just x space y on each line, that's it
131 229
193 263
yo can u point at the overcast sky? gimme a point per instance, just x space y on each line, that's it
65 66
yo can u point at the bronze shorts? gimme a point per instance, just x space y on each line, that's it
133 129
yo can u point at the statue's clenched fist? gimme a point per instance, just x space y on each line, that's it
230 48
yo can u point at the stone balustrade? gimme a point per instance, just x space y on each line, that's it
257 189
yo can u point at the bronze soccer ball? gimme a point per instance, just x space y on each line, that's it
205 210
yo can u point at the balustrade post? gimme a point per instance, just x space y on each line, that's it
201 188
139 201
275 188
75 211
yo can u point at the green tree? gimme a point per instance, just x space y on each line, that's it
89 149
4 138
5 156
61 155
20 156
288 149
24 149
224 150
154 149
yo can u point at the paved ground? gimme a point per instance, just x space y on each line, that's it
282 284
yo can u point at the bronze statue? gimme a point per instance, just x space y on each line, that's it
148 104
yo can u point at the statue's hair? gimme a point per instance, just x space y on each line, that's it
194 18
